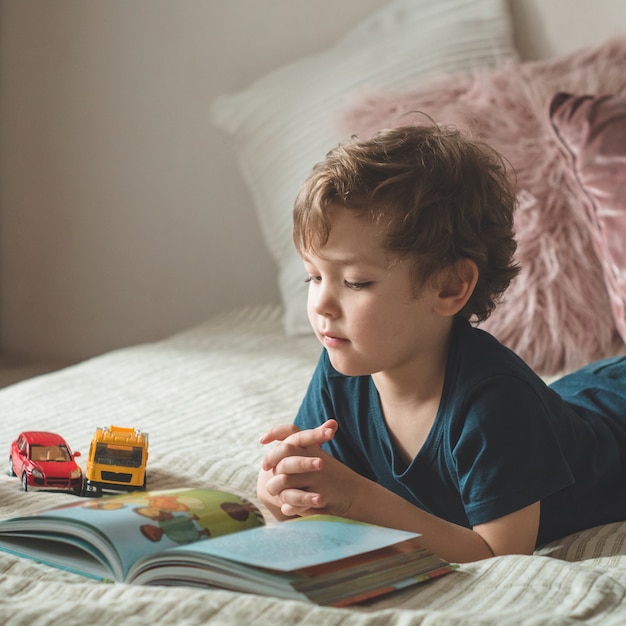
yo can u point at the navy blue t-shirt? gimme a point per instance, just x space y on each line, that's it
501 439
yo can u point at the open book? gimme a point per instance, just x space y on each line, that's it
159 538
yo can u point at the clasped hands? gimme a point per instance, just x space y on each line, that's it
297 477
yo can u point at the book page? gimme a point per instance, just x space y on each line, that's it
73 557
128 527
293 545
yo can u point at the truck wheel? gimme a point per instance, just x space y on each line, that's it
91 491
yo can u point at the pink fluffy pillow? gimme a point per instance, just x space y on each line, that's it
556 314
591 130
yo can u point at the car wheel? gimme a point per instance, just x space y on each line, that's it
24 482
11 470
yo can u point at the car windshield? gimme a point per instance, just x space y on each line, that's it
50 453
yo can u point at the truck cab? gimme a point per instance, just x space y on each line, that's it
117 460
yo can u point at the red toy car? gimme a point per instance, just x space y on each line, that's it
44 461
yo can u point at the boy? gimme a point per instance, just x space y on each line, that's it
414 418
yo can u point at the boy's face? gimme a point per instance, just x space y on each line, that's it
363 306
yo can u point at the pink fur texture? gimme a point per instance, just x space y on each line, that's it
556 314
591 131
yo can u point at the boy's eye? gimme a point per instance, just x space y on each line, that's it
356 286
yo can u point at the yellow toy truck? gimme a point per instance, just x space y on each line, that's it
117 460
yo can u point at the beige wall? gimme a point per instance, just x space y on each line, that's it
123 217
548 28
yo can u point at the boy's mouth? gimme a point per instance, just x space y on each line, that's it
331 341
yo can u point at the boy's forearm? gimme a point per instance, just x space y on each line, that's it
376 505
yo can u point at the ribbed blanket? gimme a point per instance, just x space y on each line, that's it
204 396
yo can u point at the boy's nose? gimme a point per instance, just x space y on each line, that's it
325 302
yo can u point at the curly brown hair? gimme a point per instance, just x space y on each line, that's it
437 195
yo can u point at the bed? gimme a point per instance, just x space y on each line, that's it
205 395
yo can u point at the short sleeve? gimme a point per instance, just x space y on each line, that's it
509 458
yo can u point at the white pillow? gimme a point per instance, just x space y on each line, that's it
286 121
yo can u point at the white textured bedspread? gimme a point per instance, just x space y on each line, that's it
204 396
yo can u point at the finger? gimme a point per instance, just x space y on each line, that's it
281 482
278 433
277 454
292 511
299 465
315 436
296 501
333 424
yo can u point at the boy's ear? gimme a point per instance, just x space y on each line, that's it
456 285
